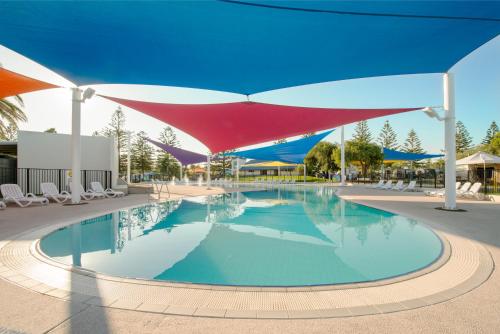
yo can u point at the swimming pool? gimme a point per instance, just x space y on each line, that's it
278 237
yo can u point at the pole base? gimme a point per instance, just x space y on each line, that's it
72 204
442 208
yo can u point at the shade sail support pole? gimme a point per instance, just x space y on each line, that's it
342 157
450 202
76 144
305 173
129 162
209 182
237 170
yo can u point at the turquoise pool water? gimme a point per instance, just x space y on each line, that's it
263 238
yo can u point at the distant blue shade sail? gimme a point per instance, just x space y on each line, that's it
404 156
183 156
293 151
244 49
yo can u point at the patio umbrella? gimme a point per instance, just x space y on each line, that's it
480 158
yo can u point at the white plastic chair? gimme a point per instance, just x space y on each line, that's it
410 186
50 191
13 193
97 188
473 191
399 185
2 205
388 185
440 192
86 195
378 185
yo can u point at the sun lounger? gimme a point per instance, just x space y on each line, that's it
86 195
410 186
387 186
97 188
472 192
2 205
50 191
13 193
378 185
439 192
399 185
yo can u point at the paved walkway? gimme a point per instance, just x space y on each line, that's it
475 311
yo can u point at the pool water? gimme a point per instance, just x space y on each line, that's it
279 237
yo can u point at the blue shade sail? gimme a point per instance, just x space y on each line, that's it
392 155
294 151
243 48
183 156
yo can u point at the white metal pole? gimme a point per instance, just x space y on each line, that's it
76 145
129 163
342 157
450 202
237 170
208 171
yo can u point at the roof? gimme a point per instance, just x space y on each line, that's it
479 158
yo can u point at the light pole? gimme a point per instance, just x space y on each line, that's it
342 157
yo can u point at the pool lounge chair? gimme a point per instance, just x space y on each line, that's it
387 185
439 192
13 193
97 188
86 195
50 191
378 185
399 185
410 186
472 192
2 205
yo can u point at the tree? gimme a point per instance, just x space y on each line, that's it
280 141
463 140
320 158
10 133
369 156
362 133
490 133
51 130
141 154
10 114
116 129
387 137
412 143
166 163
494 146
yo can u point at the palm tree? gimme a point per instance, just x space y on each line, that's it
10 114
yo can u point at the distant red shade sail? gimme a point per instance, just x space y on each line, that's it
226 126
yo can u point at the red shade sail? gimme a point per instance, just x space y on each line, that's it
227 126
12 83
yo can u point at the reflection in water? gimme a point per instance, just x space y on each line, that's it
274 237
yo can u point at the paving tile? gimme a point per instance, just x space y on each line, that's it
42 288
241 314
363 310
126 304
97 301
180 310
209 312
272 315
391 307
147 307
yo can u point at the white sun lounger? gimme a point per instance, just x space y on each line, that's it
50 191
473 191
378 185
388 185
439 192
410 186
2 205
13 193
399 185
97 188
86 195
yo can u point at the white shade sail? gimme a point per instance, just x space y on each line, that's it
479 158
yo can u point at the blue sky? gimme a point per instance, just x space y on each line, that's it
477 81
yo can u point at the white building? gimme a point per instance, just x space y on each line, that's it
46 157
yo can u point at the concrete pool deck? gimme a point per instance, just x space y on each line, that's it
48 306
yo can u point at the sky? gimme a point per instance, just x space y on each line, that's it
477 92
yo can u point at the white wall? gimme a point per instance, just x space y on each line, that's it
53 151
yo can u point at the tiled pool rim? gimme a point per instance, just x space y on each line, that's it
23 254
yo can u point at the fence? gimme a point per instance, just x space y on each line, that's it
426 179
29 179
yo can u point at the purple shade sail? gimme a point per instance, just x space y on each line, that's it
183 156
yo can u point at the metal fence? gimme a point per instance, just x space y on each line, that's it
29 179
427 179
